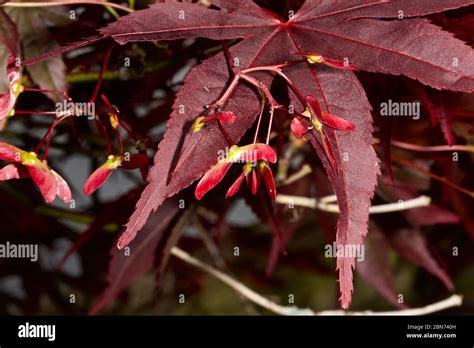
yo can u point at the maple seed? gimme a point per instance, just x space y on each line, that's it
315 58
8 100
26 164
198 124
222 116
319 120
253 173
101 174
114 122
250 154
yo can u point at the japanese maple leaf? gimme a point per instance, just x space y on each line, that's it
373 35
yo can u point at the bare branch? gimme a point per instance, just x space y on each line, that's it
239 287
329 204
66 3
453 301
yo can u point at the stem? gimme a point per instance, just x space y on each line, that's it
277 70
325 204
49 135
259 118
227 94
438 148
219 261
439 178
66 3
453 301
112 11
238 286
129 132
106 135
270 123
305 170
290 83
119 136
101 74
228 57
62 94
26 112
224 132
262 87
272 68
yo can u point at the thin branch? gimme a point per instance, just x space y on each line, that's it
453 301
436 177
327 204
305 170
239 287
66 3
219 261
437 148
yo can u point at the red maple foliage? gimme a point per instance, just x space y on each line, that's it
305 81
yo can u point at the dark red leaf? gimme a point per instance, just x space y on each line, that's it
123 268
340 30
8 34
411 244
376 269
136 160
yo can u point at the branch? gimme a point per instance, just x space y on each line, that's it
453 301
436 148
66 3
327 204
239 287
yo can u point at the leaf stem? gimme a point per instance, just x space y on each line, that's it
62 94
262 108
436 177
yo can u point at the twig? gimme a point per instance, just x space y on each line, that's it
453 301
239 287
436 177
436 148
326 204
219 261
66 3
305 170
